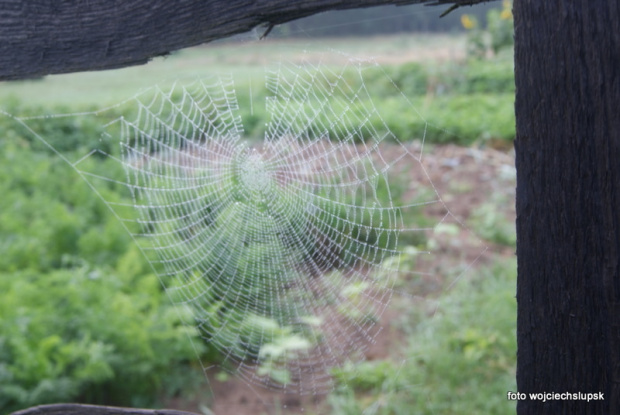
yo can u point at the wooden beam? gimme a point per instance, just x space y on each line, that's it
49 36
79 409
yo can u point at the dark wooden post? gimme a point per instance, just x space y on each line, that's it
567 64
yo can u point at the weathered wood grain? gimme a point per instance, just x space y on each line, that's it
79 409
50 36
568 203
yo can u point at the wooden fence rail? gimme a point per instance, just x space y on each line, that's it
79 409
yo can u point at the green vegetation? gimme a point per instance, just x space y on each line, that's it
74 334
252 237
490 224
378 20
497 34
82 309
465 102
460 361
249 233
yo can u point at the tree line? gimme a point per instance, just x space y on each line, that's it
381 20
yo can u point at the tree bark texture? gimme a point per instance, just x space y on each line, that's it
567 74
79 409
50 36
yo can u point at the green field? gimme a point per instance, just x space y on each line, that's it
461 101
82 308
245 59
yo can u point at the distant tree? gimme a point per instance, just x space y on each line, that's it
380 20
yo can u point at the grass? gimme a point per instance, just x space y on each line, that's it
245 58
460 361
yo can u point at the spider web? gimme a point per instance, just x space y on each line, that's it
286 249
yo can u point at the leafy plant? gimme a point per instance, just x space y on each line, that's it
82 317
87 335
48 212
498 34
286 345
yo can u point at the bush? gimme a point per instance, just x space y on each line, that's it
493 76
459 119
48 211
484 77
62 133
87 335
82 317
462 103
469 119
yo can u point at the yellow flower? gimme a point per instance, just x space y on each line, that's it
506 10
467 22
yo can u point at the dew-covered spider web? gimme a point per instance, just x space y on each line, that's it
285 248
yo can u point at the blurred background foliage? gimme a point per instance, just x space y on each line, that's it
460 360
80 307
83 316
